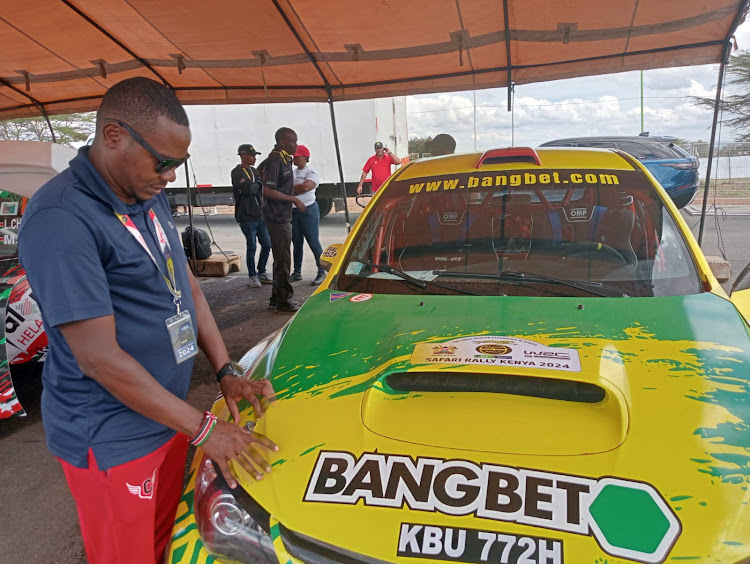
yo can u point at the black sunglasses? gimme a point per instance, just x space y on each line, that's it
163 164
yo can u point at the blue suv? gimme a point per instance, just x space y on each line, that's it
673 167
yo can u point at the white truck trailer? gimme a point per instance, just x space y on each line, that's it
219 130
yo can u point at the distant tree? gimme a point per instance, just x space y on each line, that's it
738 105
419 145
69 128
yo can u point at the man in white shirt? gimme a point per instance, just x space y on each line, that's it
305 224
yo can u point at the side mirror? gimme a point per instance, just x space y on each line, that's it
743 281
330 257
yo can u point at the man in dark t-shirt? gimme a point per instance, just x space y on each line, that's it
278 191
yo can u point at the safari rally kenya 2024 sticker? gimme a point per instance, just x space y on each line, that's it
498 351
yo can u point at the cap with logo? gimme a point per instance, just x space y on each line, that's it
302 151
247 150
378 145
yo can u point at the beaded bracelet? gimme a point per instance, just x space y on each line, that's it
209 422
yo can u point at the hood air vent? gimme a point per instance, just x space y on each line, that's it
545 388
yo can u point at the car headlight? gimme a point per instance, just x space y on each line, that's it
231 524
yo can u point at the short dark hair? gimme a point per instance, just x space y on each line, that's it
281 132
139 102
443 143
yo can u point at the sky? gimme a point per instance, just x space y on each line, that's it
599 105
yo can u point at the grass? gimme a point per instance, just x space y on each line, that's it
735 189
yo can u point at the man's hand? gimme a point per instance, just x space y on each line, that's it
232 442
299 204
359 189
234 389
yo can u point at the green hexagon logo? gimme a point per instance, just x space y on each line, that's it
631 520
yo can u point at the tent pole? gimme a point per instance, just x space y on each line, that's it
190 218
338 159
49 124
506 17
717 102
329 91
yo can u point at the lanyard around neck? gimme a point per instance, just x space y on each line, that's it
251 178
164 247
286 157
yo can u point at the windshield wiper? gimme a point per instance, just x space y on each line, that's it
594 288
415 281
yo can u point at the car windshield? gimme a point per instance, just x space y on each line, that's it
598 233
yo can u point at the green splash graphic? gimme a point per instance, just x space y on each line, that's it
355 344
732 391
309 450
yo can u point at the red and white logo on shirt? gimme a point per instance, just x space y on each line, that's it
144 490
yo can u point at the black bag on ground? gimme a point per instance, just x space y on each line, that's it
202 243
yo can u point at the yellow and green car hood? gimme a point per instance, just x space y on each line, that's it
632 442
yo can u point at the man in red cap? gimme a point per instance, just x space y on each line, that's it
380 165
305 224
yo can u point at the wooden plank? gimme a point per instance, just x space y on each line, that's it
218 264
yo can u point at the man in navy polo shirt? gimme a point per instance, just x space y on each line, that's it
124 316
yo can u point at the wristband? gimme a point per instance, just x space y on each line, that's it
207 427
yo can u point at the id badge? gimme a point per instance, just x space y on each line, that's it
182 334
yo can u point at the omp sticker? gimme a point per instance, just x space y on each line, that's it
628 519
360 298
338 295
498 351
577 214
451 217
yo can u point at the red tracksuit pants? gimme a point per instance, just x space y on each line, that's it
127 512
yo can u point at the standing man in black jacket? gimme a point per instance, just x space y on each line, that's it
248 189
278 193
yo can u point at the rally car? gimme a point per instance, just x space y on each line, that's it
24 342
24 167
517 357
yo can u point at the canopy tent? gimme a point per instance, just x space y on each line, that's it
60 56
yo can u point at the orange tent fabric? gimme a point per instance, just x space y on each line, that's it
60 56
